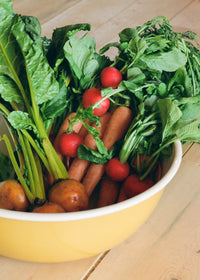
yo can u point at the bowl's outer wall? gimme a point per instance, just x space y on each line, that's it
71 240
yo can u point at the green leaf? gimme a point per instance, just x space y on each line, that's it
10 56
91 155
60 37
41 81
187 130
9 90
56 106
165 61
21 120
84 62
169 114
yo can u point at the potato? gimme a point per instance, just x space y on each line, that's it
12 196
48 207
70 194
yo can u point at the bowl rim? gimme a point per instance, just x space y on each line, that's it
97 212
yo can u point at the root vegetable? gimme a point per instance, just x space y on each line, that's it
122 195
134 186
116 170
79 166
108 192
69 143
115 130
92 96
65 126
111 77
12 196
49 207
69 194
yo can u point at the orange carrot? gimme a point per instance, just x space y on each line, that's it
108 192
115 130
65 126
122 195
79 166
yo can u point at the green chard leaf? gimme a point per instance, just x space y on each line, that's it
9 90
39 75
21 120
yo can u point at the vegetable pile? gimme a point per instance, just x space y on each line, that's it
84 125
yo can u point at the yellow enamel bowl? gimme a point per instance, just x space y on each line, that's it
71 236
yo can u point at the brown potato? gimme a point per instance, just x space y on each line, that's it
12 196
49 207
70 194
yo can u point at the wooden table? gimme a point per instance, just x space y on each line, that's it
167 246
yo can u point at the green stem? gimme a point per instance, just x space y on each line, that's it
26 152
146 173
37 150
58 170
17 169
4 109
40 191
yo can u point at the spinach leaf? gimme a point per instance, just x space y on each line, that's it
165 61
83 60
169 114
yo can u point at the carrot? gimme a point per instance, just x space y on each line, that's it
122 195
79 166
65 126
108 192
115 130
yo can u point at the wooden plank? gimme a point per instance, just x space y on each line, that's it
151 252
108 20
43 9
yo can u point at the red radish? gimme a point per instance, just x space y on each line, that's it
133 185
69 143
65 126
111 77
117 170
92 96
